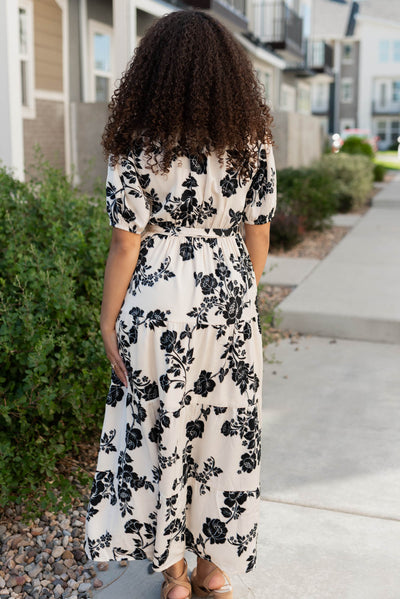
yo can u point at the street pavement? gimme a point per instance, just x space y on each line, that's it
330 485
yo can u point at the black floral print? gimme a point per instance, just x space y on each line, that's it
179 457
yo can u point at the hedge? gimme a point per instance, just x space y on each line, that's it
309 196
54 243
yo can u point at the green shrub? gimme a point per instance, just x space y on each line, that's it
53 244
357 145
286 231
309 194
379 173
352 176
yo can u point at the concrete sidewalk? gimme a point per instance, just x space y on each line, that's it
389 197
330 510
290 272
330 485
355 292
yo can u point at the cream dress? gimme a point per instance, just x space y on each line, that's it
179 460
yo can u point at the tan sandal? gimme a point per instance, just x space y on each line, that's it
201 589
170 582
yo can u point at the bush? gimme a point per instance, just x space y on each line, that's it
379 173
286 231
309 194
352 176
357 145
54 243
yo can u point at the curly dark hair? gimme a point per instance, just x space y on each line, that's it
189 89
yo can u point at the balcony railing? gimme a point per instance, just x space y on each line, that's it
319 56
389 108
237 5
230 12
279 26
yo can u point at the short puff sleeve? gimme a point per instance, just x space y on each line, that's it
127 205
261 197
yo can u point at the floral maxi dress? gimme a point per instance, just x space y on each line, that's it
179 459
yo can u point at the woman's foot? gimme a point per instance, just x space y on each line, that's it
176 571
204 567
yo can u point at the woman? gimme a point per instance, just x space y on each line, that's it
190 159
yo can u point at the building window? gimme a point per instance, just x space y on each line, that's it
382 94
384 51
381 129
303 100
396 50
394 131
288 98
267 85
347 53
100 61
25 25
347 90
396 91
265 81
321 96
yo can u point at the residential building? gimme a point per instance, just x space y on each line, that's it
378 106
62 59
33 61
365 94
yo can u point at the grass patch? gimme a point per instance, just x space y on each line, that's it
388 159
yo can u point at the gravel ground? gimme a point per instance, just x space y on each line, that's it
316 244
45 558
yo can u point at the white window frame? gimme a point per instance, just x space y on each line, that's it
396 50
320 96
344 81
287 98
303 99
268 85
394 100
29 110
382 132
93 28
384 51
382 94
349 59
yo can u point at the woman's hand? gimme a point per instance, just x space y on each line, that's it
111 347
121 263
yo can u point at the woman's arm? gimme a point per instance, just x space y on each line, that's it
257 243
121 263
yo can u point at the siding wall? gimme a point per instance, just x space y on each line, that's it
47 128
47 17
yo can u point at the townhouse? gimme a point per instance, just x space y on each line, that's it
62 59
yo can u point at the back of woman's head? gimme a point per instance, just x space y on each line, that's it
189 88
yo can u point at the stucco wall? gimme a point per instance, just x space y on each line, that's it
298 139
87 124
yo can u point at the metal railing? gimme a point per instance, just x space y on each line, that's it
276 23
237 5
390 108
319 55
